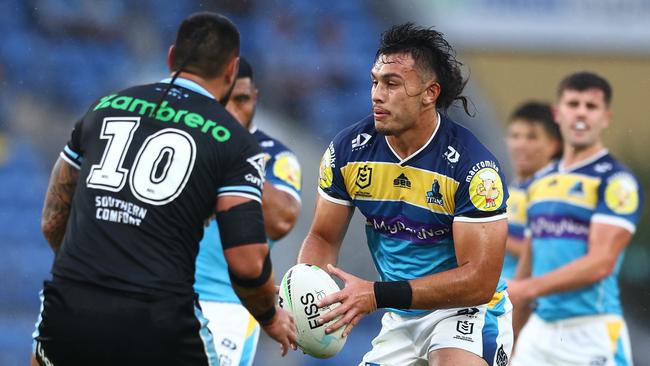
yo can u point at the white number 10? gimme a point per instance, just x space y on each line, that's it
160 169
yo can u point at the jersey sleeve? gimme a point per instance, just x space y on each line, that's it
331 185
481 195
619 201
283 171
72 152
245 175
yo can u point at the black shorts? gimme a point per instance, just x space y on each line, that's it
88 325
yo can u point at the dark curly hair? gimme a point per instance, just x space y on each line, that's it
431 53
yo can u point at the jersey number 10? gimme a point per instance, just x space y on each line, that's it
160 169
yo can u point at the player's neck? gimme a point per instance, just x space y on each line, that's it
522 177
413 139
574 155
214 87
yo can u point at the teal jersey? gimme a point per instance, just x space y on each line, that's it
212 281
410 204
562 206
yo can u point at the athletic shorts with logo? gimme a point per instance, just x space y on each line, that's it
485 331
84 325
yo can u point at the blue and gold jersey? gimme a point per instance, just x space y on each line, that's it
283 171
562 205
410 204
517 205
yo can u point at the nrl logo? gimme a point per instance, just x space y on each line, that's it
364 177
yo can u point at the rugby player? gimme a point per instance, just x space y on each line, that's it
582 213
125 207
435 206
236 331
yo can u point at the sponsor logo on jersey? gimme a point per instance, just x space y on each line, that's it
577 189
267 143
259 163
360 141
486 190
622 194
287 168
402 182
452 155
327 163
364 177
434 196
164 113
479 167
603 167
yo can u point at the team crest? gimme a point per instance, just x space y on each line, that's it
622 194
287 168
486 190
259 163
434 195
364 177
327 163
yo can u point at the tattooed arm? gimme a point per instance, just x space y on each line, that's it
58 199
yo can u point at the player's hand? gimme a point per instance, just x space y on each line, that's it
520 292
357 299
282 329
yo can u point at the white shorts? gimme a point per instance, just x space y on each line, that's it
600 340
234 330
484 330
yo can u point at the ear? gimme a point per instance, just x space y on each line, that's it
432 93
170 57
231 71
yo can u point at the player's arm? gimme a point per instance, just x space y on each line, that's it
58 199
524 265
281 211
249 264
606 242
479 250
323 242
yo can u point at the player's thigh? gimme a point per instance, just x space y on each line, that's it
455 357
234 330
395 344
533 340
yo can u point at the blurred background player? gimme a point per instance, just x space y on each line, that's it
235 331
582 213
533 140
435 209
125 208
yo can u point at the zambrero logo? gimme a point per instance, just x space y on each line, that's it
622 194
486 190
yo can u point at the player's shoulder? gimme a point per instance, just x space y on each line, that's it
270 144
357 134
458 138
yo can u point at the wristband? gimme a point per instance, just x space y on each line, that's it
266 316
393 294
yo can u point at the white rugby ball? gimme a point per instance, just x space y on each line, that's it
302 287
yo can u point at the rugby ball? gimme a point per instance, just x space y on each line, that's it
302 287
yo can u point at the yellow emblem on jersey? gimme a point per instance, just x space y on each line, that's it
486 190
327 163
621 194
287 168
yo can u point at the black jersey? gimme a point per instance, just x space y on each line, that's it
148 181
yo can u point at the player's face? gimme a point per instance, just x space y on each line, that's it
397 92
582 116
530 146
242 101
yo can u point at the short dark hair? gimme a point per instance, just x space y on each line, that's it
245 69
584 80
537 112
431 52
205 43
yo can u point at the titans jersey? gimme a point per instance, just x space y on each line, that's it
149 178
283 171
563 204
517 204
410 204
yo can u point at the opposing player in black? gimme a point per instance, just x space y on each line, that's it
125 208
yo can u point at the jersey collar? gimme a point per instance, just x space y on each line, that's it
402 161
580 164
189 84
